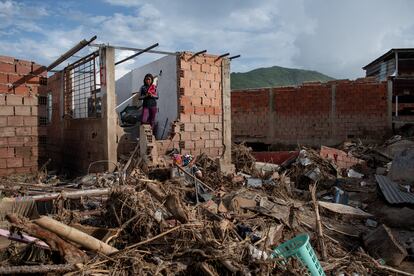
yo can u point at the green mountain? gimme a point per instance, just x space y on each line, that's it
275 76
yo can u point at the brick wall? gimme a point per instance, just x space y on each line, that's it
311 114
21 84
200 126
73 144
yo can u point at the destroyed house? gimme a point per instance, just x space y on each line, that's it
78 111
397 65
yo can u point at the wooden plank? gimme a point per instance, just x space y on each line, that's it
344 209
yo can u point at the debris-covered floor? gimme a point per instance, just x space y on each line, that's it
354 202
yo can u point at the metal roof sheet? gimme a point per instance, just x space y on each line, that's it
392 192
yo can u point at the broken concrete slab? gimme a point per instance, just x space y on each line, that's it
380 243
402 167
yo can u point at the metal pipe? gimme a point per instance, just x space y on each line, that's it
198 53
137 54
135 49
70 52
222 56
233 57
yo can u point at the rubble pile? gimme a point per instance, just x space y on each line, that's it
201 222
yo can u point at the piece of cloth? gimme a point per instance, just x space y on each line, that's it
148 115
149 95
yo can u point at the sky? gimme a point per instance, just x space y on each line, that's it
334 37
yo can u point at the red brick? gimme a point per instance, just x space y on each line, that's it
195 118
22 110
204 119
195 67
217 111
24 170
32 161
14 121
199 144
3 78
205 68
14 162
199 127
6 67
3 164
23 131
32 89
23 152
3 121
218 143
5 172
189 127
209 143
196 135
23 69
214 135
195 84
189 144
23 90
198 110
183 117
185 100
186 109
14 100
13 78
214 118
4 88
35 151
15 141
6 59
30 121
209 110
7 132
3 141
6 152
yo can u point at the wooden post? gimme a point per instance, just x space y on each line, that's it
109 114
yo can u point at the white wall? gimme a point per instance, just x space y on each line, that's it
167 90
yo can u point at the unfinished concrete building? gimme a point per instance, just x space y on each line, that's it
82 102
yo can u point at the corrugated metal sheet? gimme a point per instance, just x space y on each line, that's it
392 192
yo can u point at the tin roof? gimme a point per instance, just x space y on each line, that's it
392 192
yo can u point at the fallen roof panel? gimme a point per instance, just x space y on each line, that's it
392 192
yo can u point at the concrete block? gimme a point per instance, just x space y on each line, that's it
380 243
14 100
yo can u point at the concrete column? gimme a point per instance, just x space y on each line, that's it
225 161
389 103
109 115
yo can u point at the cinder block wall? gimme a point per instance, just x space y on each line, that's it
21 84
200 105
73 144
311 114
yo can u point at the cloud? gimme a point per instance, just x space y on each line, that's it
124 3
334 37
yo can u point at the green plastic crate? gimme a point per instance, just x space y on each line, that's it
300 248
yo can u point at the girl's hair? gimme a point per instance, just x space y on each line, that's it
149 76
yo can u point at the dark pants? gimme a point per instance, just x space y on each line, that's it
148 116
